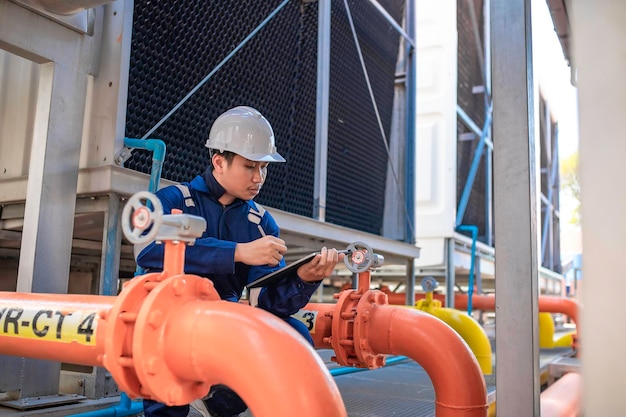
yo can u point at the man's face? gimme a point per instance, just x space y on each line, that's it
241 178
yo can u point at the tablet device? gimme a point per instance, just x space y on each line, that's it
277 275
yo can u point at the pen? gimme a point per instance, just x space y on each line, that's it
261 229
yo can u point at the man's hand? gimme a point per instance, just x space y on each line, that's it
321 266
268 250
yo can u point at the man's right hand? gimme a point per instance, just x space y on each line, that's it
267 250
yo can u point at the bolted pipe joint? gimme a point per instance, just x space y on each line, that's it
350 329
132 348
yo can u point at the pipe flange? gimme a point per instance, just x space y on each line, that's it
121 318
148 344
371 299
342 329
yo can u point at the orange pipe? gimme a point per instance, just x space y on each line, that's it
53 327
547 304
380 329
193 329
455 373
563 398
168 337
174 354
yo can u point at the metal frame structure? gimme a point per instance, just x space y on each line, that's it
54 162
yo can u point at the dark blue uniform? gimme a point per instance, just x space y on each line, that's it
212 256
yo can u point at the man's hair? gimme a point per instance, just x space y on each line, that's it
227 155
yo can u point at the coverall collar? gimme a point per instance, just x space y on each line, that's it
214 187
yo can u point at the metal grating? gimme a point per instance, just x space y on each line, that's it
175 45
398 390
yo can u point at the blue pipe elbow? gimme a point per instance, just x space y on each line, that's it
157 146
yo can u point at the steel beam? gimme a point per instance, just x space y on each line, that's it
323 94
515 209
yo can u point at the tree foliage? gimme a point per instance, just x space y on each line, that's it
571 185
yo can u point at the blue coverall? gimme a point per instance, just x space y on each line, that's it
212 256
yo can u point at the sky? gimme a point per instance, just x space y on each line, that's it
552 72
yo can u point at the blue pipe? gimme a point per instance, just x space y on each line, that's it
124 409
470 286
350 370
157 147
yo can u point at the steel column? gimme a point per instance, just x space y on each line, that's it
515 209
51 198
323 93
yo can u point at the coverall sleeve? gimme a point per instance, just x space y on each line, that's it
288 295
205 257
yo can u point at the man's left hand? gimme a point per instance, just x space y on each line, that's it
321 266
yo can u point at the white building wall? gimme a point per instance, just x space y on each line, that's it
435 193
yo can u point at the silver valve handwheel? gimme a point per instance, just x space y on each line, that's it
360 257
429 284
138 216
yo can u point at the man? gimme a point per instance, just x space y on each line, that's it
241 242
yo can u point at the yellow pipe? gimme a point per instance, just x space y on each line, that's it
546 334
468 328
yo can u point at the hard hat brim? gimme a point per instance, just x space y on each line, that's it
275 157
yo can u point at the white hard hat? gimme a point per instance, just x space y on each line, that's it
244 131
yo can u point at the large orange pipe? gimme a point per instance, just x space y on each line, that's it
46 326
563 398
198 342
456 376
162 339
